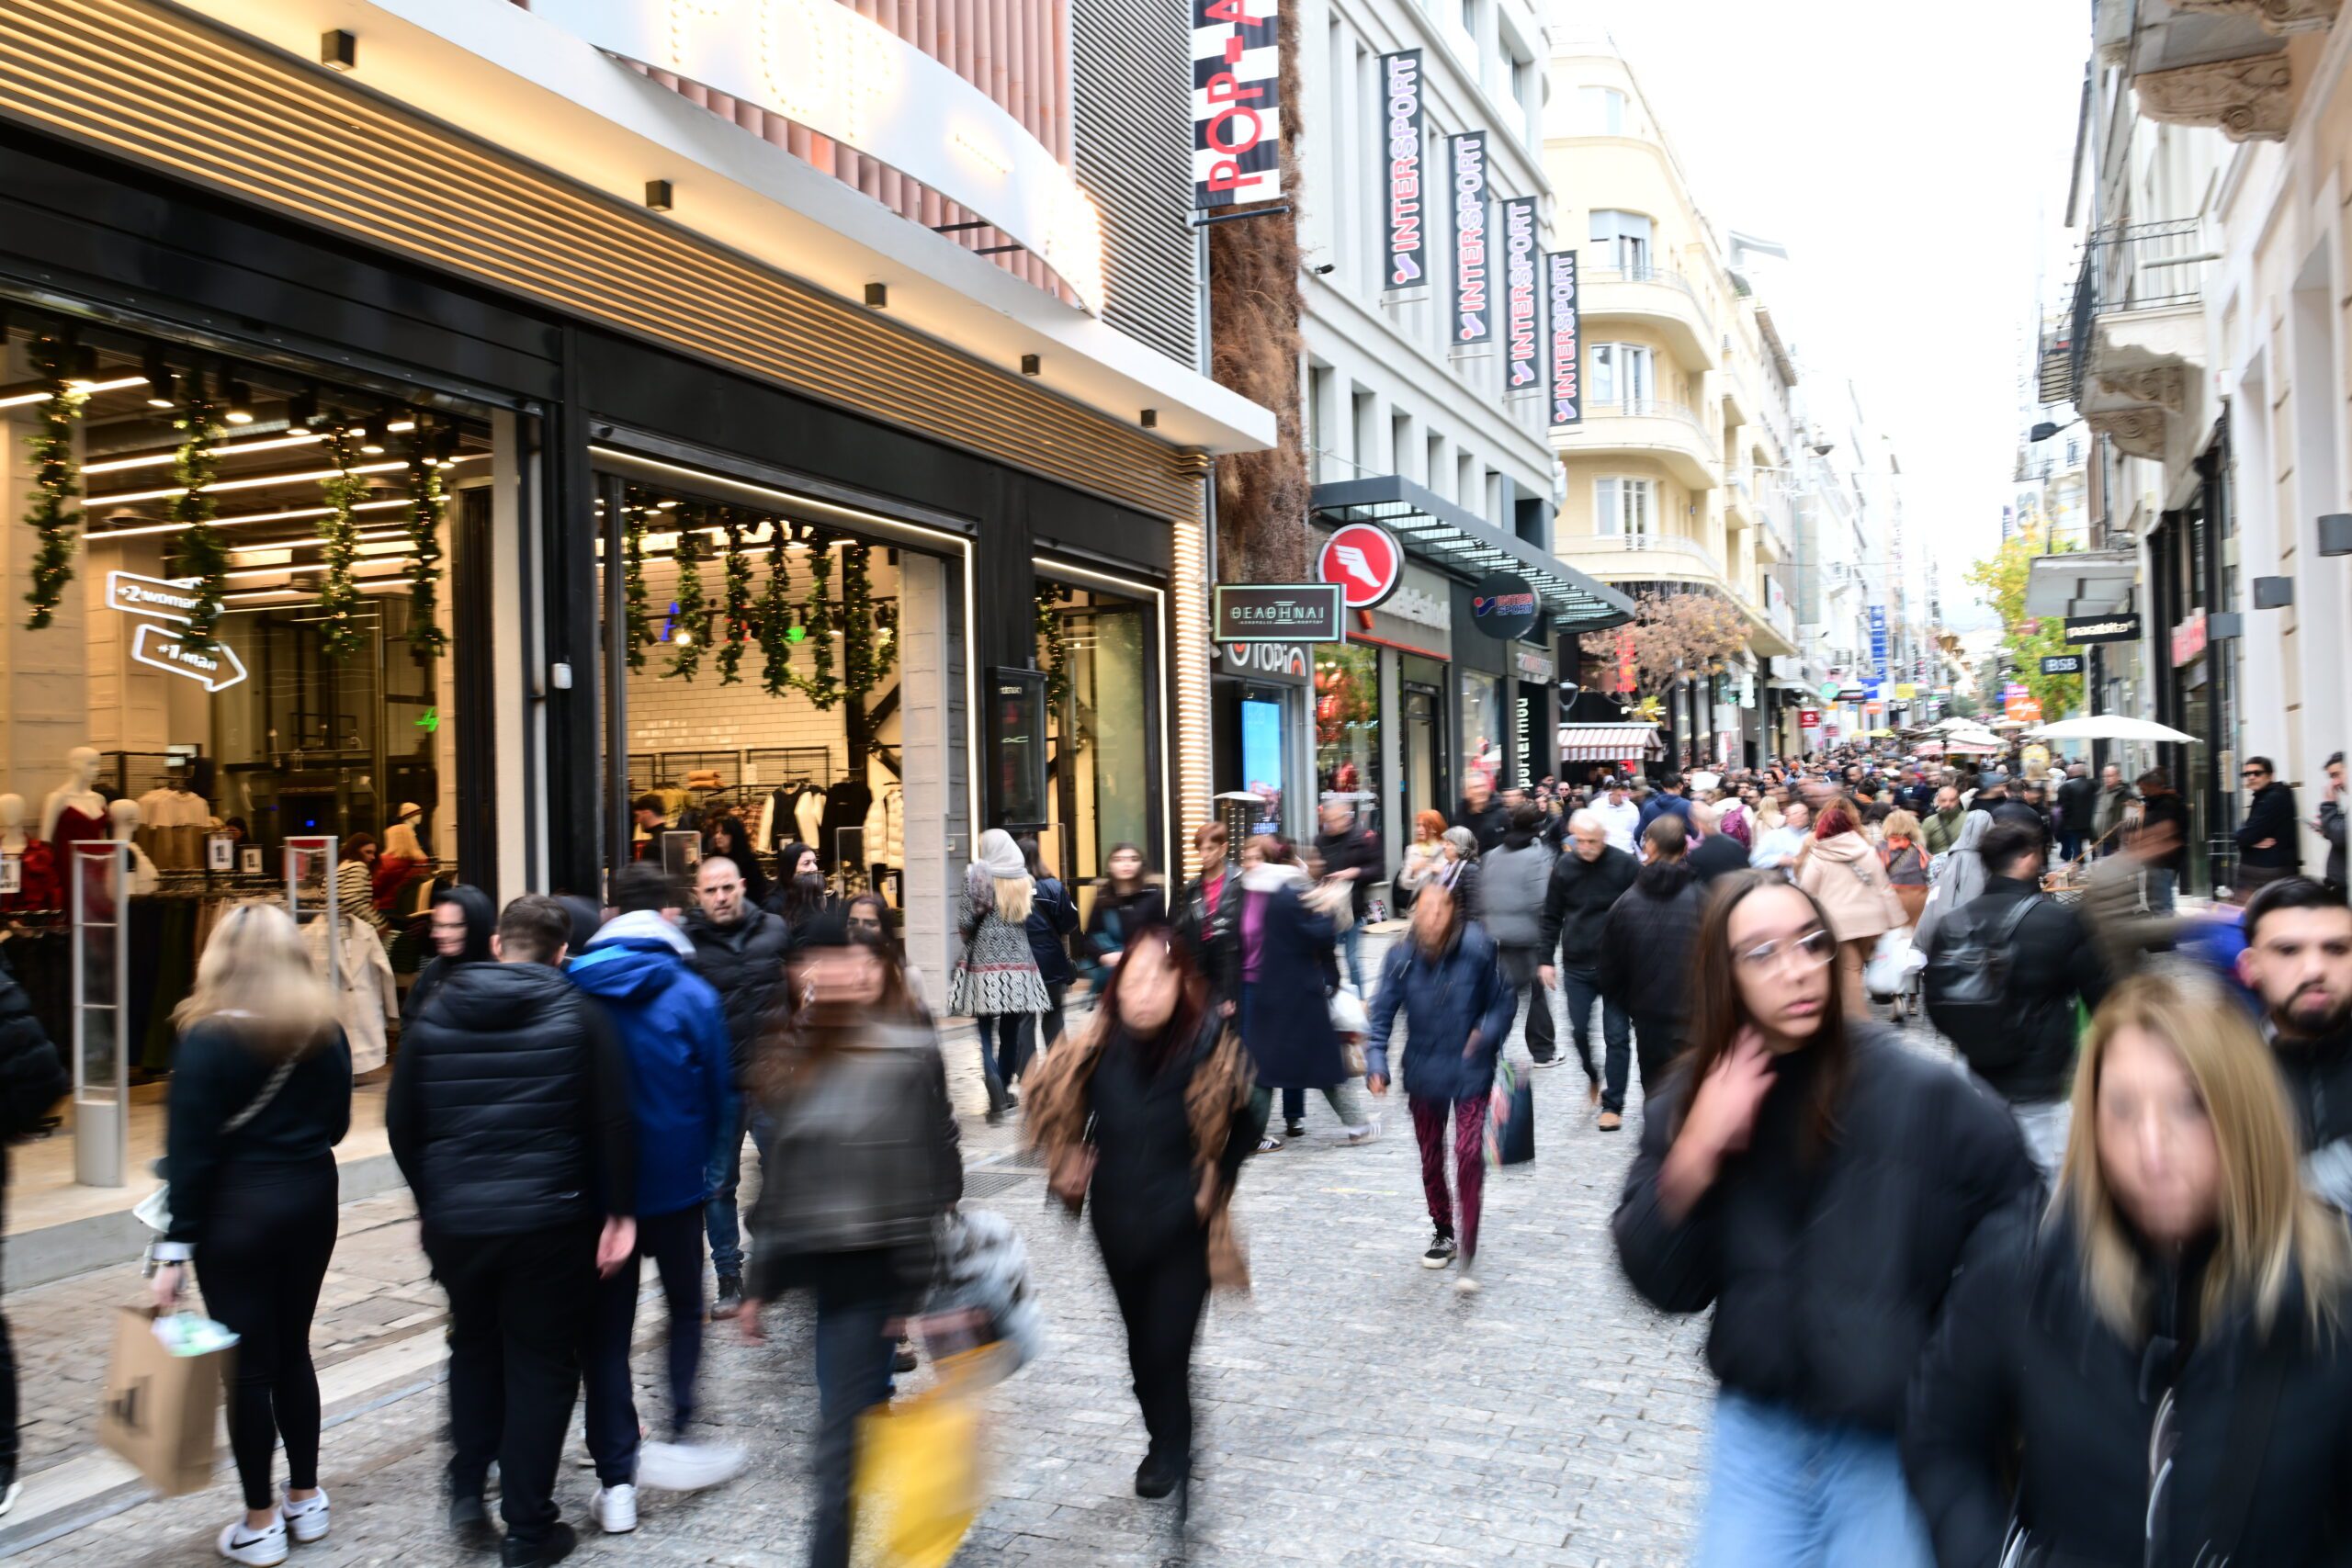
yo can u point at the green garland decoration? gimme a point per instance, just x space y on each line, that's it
1056 649
428 504
637 624
858 672
819 687
57 483
690 624
201 552
339 597
739 604
774 623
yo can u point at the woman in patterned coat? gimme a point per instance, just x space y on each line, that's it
996 981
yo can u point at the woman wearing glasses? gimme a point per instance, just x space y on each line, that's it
1814 1181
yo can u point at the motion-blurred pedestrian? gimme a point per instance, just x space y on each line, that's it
1586 881
460 923
32 1080
1842 871
1645 964
1287 976
1516 879
1351 854
1053 917
738 948
1208 918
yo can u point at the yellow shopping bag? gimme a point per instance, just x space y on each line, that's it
918 1485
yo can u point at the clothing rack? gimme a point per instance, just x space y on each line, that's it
769 766
126 775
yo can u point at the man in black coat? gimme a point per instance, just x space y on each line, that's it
1351 852
509 1115
32 1080
1714 853
2003 806
2052 963
1646 961
1482 812
2267 847
740 948
1586 883
2298 957
2077 810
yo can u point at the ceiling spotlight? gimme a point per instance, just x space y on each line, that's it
241 404
160 382
878 296
371 438
1150 419
660 195
1031 364
302 409
665 506
339 49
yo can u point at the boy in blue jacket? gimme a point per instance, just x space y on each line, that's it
673 1032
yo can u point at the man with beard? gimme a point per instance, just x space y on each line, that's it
2299 959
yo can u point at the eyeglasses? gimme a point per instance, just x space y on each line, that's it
1806 954
2253 772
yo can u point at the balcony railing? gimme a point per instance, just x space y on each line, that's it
2126 268
1648 408
1645 273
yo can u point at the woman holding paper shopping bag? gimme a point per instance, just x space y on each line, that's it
261 1094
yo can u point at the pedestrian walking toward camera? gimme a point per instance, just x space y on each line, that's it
1053 917
864 1163
1815 1183
1447 980
2329 823
459 927
261 1095
2298 958
1424 857
1208 919
2158 1375
681 1091
1517 879
996 981
1287 978
738 948
1586 883
1148 1118
1645 963
1125 899
521 1202
1462 870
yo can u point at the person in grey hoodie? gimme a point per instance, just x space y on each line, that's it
1517 873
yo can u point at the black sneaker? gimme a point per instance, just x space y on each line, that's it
1546 1061
729 1299
1294 1130
469 1522
561 1539
1157 1477
1441 1252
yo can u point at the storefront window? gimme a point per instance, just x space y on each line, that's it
1482 724
1092 644
1347 726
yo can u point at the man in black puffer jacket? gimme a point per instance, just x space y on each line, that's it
1586 881
509 1115
740 948
32 1080
1645 959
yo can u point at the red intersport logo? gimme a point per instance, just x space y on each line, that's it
1365 560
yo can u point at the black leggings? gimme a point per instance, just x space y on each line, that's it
1160 1296
264 1255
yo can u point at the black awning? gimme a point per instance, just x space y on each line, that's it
1438 531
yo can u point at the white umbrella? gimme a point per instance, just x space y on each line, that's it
1970 735
2109 727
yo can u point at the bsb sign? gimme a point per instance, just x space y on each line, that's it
1237 102
1406 226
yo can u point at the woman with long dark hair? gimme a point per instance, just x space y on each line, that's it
1814 1182
1124 901
1151 1113
798 895
261 1094
861 1166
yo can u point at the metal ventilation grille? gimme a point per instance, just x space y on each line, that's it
1132 114
148 82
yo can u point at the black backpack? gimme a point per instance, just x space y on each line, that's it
1968 985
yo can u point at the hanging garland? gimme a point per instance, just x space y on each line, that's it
859 673
201 552
820 687
1055 650
339 597
690 622
428 503
774 623
56 482
739 604
635 622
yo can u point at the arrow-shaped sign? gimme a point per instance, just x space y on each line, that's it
162 647
172 599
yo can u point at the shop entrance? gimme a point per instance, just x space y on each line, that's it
1094 646
1422 749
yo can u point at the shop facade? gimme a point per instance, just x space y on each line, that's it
509 543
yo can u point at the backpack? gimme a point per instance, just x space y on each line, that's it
1967 989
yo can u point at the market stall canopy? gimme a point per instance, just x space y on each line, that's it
1437 530
2109 727
1609 742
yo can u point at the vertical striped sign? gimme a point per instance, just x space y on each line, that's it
1560 300
1522 312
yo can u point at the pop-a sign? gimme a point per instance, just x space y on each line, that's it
1560 298
1237 102
1406 227
1474 306
1523 337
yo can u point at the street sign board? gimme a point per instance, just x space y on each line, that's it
1365 560
1273 612
1503 605
2062 664
2082 629
162 647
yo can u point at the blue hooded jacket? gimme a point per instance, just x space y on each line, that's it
1442 1001
670 1021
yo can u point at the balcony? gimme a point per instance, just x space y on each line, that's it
1651 557
2218 64
2133 345
1669 433
1656 297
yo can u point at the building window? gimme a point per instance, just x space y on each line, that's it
1624 239
1624 508
1622 373
1601 111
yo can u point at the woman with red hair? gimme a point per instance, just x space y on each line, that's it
1841 869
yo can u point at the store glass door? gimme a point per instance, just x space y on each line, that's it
1422 749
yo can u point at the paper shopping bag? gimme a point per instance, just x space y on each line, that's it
918 1484
160 1409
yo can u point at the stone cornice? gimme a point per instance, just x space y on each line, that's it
2164 384
2276 16
2137 432
2246 100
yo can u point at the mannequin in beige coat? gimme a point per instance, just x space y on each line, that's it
1841 868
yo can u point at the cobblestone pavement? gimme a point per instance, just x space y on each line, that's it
1353 1410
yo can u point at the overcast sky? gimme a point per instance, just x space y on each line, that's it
1913 158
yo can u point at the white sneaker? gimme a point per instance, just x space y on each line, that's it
1467 1285
306 1520
260 1548
688 1467
8 1498
615 1509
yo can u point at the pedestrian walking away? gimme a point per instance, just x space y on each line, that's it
739 949
681 1091
1208 919
1815 1183
1147 1120
864 1163
1447 981
1586 883
261 1095
32 1080
1287 978
1645 964
2077 811
1053 917
1351 854
2298 959
2159 1374
1714 853
1516 882
1842 871
996 981
509 1118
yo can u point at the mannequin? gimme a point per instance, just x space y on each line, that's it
37 886
74 809
124 814
400 839
13 837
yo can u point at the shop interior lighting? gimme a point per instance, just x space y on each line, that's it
20 394
292 515
339 49
371 438
240 409
225 449
161 383
262 481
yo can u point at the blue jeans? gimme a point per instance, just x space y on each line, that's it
1786 1491
1582 988
1351 944
725 1174
857 1295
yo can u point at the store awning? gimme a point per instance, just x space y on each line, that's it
2081 583
1436 530
1609 742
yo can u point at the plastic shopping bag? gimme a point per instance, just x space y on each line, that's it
918 1485
1511 1117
